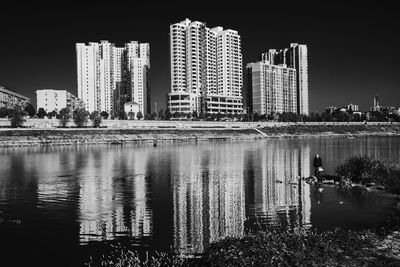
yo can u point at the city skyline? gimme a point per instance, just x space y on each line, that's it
38 44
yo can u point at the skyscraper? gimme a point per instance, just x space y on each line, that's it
206 69
294 57
109 76
272 88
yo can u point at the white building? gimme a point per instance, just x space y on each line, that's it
109 76
352 107
50 99
132 107
272 88
294 57
10 99
206 69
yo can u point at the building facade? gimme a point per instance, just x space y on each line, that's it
296 56
272 88
206 69
10 99
110 76
50 100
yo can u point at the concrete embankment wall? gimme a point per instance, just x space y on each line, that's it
130 124
30 137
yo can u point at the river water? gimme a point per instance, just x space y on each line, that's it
57 203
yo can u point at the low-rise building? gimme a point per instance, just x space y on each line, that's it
132 107
11 99
352 107
50 99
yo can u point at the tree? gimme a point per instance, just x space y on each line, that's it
30 110
147 116
139 115
41 113
81 117
122 115
326 116
341 116
378 116
219 116
64 116
4 112
52 114
177 114
194 115
96 119
153 116
189 116
104 114
161 115
131 115
168 115
256 117
17 117
201 115
355 117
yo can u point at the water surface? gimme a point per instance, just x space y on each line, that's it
181 196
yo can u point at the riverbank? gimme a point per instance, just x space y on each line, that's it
209 133
283 247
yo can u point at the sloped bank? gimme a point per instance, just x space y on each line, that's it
85 136
29 137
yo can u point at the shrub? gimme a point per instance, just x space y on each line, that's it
357 169
364 169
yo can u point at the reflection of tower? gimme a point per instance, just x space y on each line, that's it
188 204
96 198
103 209
208 205
277 194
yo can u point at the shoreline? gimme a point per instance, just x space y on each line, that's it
28 137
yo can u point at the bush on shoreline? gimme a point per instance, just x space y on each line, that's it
364 170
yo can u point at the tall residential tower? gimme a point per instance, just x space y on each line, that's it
272 88
206 69
110 76
294 57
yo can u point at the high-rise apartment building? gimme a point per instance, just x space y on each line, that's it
294 57
109 76
272 88
50 99
206 69
10 99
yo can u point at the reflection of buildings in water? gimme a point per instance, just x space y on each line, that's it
108 208
277 194
208 199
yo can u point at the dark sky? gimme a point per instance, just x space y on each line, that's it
353 46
